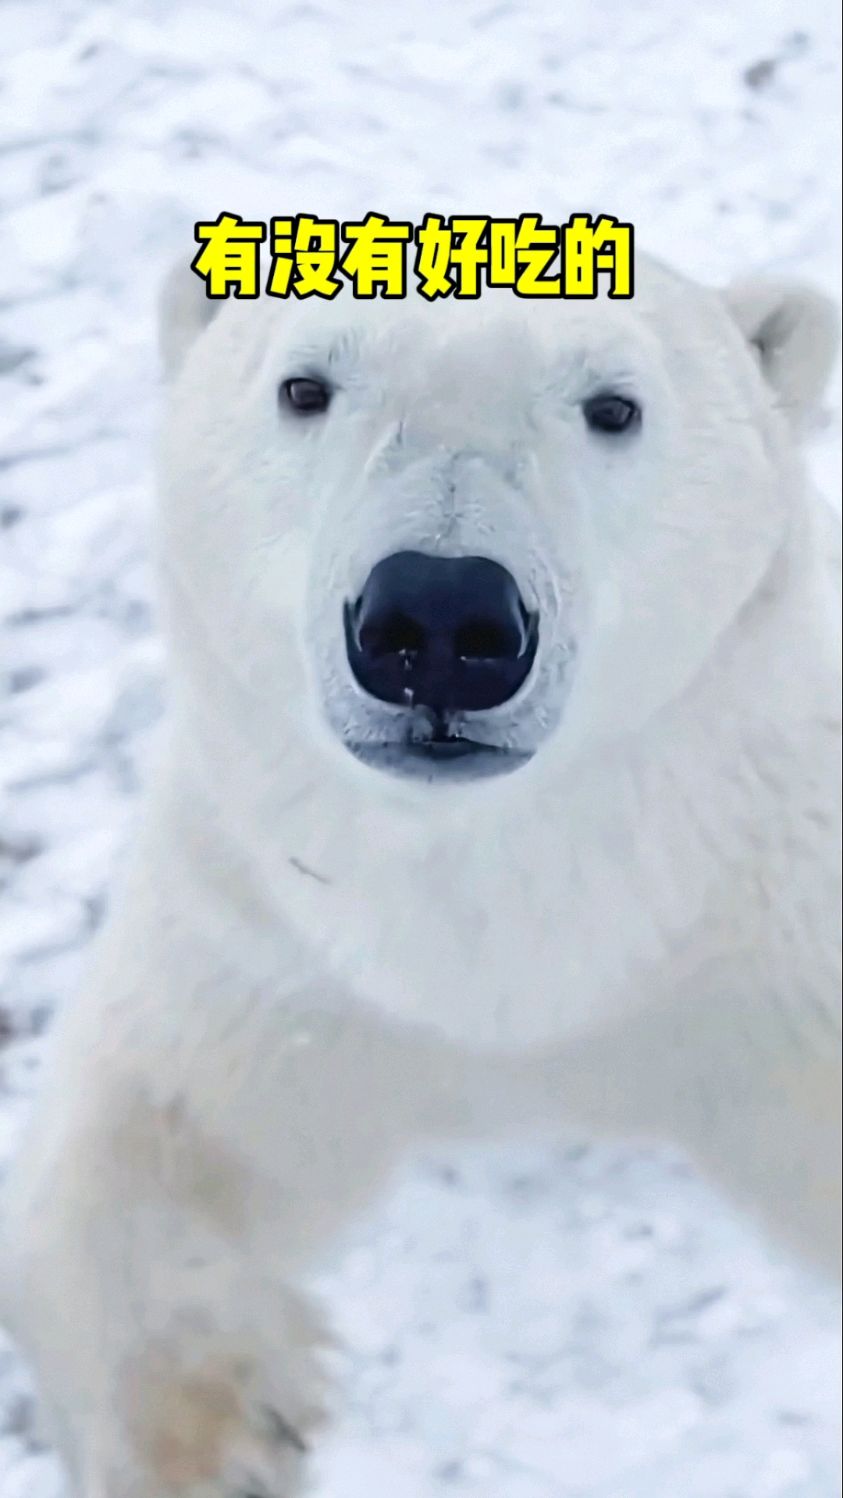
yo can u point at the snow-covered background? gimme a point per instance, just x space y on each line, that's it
579 1323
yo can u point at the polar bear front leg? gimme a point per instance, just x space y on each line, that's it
156 1249
172 1358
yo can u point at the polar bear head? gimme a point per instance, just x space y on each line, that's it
438 543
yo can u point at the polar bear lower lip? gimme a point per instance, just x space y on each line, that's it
440 758
452 748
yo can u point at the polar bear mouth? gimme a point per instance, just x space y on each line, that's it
447 757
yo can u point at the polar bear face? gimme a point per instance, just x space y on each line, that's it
437 543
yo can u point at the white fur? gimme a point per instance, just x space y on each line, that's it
313 963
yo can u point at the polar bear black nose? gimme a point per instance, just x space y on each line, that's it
448 633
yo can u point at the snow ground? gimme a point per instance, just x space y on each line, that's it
582 1323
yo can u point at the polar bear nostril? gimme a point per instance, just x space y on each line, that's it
481 640
397 634
448 633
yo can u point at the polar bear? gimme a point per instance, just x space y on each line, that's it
501 790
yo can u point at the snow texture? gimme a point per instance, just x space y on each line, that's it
533 1323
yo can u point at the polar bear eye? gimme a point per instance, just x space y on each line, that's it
306 396
609 412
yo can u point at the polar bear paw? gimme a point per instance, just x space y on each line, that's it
229 1423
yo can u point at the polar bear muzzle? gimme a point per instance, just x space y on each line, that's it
442 638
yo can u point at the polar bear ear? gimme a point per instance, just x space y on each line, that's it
184 311
795 333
